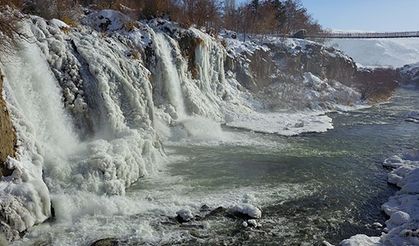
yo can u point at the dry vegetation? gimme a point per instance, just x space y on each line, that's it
269 17
252 17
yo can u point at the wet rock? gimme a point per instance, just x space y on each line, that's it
216 212
184 215
254 223
406 233
205 208
107 242
188 43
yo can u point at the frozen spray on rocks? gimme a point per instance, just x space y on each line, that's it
91 116
54 166
171 79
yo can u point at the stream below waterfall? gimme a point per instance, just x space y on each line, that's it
310 188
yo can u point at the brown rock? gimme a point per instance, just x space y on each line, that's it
7 135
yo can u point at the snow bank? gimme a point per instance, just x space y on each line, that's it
402 208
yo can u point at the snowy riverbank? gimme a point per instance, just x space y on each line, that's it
403 207
402 228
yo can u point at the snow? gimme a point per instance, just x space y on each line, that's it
247 209
318 95
380 52
361 240
398 218
287 124
236 47
91 118
58 23
403 207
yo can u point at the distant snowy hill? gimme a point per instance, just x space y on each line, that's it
380 52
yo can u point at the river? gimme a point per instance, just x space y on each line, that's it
313 187
310 188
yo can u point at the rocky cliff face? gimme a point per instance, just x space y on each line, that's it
8 136
287 61
376 84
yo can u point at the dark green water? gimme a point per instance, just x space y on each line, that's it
314 187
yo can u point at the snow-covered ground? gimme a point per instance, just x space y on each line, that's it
380 52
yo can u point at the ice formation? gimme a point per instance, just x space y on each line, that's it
92 105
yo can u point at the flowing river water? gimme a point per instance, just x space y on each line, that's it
313 187
310 188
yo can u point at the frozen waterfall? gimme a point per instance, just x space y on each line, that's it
169 75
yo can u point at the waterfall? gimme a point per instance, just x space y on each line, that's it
169 74
38 96
204 98
54 166
50 84
47 138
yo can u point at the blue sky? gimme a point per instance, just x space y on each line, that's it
365 15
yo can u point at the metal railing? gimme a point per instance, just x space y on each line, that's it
361 35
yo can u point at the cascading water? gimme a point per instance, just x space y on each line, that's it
55 167
48 139
68 83
169 75
171 78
